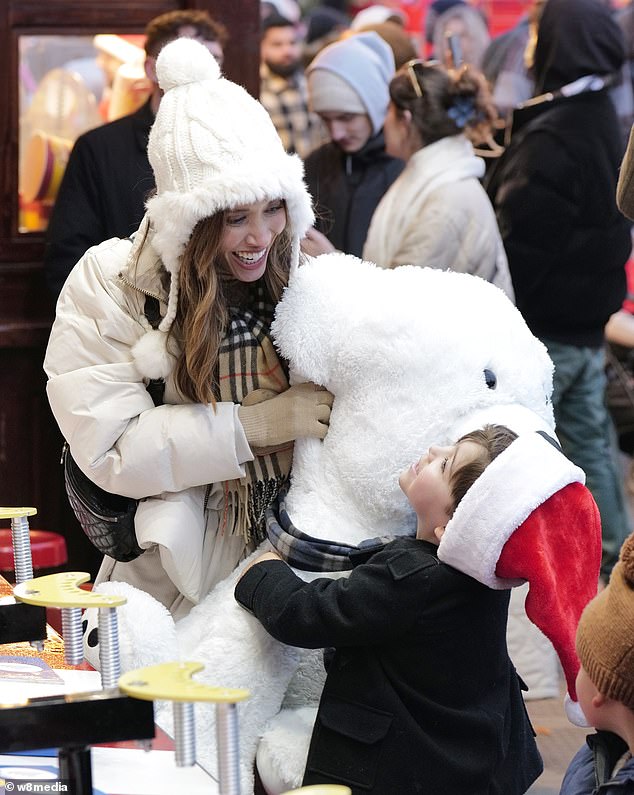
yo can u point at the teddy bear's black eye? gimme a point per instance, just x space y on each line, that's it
490 379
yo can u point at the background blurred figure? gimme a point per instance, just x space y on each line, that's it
554 191
375 15
108 176
348 87
396 36
468 24
324 25
435 9
436 213
504 67
283 89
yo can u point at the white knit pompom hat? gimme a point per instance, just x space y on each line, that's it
212 147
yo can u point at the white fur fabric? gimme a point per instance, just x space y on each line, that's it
405 353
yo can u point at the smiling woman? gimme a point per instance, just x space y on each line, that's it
188 302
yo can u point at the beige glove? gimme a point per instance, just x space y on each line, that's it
302 410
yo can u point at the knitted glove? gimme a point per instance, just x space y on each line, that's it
302 410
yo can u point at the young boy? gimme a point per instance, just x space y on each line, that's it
605 687
421 696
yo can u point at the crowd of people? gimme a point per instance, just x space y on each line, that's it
493 157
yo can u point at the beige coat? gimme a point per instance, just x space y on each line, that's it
437 214
164 455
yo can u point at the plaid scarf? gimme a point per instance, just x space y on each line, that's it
248 364
307 553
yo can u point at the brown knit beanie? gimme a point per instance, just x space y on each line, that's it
605 635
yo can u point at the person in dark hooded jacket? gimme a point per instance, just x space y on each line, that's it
347 177
566 242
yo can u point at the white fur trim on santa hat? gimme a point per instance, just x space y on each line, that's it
519 480
575 714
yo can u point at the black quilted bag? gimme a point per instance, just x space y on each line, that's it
108 519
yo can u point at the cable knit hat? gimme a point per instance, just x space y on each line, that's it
530 518
605 637
212 147
366 63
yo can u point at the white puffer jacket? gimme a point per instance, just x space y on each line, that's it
437 214
165 455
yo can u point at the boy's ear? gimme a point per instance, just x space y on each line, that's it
439 532
598 699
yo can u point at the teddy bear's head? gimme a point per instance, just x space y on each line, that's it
413 356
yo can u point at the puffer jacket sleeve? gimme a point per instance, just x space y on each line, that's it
117 436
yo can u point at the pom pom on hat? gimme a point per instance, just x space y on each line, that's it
529 517
151 356
180 64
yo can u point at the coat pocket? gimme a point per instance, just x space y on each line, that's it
347 743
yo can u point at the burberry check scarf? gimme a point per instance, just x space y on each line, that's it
307 553
248 365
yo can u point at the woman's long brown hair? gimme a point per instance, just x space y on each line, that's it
205 286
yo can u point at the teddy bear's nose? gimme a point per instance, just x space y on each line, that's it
490 379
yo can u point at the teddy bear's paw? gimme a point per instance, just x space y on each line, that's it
283 749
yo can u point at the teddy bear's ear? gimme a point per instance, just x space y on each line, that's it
317 311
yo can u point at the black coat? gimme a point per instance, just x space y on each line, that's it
554 188
102 195
346 189
421 696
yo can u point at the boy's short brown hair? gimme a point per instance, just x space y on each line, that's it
492 440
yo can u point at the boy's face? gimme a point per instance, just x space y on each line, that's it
427 486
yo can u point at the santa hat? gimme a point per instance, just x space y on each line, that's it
530 518
212 147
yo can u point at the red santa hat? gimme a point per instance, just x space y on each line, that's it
530 518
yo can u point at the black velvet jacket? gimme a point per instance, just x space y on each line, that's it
421 696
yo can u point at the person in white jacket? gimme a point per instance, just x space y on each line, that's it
212 255
436 213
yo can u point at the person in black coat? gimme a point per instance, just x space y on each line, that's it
347 177
108 175
554 192
421 695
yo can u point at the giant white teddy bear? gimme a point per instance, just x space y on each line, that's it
413 356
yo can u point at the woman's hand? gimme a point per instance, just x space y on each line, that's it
316 243
301 411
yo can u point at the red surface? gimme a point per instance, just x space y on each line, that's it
48 550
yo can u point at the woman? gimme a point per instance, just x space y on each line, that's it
210 260
437 214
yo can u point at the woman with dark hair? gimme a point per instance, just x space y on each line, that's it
188 302
436 213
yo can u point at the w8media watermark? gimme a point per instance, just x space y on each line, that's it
15 786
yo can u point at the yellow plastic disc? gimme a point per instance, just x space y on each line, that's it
61 590
16 513
173 682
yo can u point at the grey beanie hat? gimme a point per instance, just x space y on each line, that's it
365 61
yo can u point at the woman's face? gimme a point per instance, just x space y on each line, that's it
248 235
